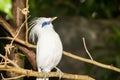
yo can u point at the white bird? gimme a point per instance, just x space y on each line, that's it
49 47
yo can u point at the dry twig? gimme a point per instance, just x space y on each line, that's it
13 78
9 61
87 49
18 32
26 17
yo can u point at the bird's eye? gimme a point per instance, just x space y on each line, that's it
45 23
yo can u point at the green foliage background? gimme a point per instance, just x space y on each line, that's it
87 8
6 6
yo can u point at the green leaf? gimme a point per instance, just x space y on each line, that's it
6 6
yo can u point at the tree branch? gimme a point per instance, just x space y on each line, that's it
27 72
30 55
7 26
110 67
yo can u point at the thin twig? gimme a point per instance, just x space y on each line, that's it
18 32
26 17
13 63
2 76
87 49
20 41
14 78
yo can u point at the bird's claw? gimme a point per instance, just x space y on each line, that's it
60 73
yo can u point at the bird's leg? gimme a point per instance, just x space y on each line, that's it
60 73
45 75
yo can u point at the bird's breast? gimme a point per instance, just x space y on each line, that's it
49 43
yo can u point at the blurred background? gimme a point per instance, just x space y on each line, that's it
96 20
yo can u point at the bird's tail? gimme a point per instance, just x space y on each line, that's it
42 78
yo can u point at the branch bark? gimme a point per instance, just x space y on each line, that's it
7 26
36 74
110 67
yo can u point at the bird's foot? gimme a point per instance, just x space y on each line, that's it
45 76
60 73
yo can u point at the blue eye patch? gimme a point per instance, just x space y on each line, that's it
45 23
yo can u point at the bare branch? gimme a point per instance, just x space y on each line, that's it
38 74
87 49
110 67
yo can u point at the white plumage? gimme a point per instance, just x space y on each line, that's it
49 47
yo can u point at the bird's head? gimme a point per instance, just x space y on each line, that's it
40 24
46 21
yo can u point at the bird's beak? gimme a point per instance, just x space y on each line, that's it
53 18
